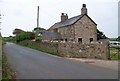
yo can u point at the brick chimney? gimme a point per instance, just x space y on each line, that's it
64 17
84 9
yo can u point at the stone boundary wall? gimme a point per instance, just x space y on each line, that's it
94 50
45 46
98 51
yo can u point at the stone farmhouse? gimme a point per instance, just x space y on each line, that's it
80 28
77 37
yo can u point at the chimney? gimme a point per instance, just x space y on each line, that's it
64 17
84 9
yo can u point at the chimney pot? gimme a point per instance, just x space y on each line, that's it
84 9
62 14
84 5
64 17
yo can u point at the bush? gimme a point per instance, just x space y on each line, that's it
25 36
100 35
38 39
24 43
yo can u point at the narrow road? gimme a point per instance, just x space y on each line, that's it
33 64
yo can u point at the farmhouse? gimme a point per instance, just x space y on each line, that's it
77 37
80 28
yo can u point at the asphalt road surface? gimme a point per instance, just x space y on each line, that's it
33 64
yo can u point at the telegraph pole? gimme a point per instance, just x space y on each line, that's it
0 24
37 31
0 21
38 17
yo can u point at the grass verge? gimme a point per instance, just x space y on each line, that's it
44 50
113 51
25 43
7 73
114 54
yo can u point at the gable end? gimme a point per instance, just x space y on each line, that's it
88 17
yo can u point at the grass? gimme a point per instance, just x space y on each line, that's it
43 50
113 51
114 54
7 73
112 39
25 43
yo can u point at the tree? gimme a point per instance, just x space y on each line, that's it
100 35
17 31
38 31
25 36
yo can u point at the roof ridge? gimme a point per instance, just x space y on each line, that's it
66 22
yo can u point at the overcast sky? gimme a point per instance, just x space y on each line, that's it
22 14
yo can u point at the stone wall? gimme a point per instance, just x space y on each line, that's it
45 46
98 50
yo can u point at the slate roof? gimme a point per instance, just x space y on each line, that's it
69 21
46 35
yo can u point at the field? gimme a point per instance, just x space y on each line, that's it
115 53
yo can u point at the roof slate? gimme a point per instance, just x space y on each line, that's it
66 22
69 21
50 35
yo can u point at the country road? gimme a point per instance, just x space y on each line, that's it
33 64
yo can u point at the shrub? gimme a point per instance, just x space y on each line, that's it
25 36
24 43
38 39
100 35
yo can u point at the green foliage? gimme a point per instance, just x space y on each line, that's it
38 39
25 36
9 39
7 73
24 43
44 50
27 44
100 35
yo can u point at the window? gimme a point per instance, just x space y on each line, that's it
56 30
80 40
91 39
61 39
65 40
